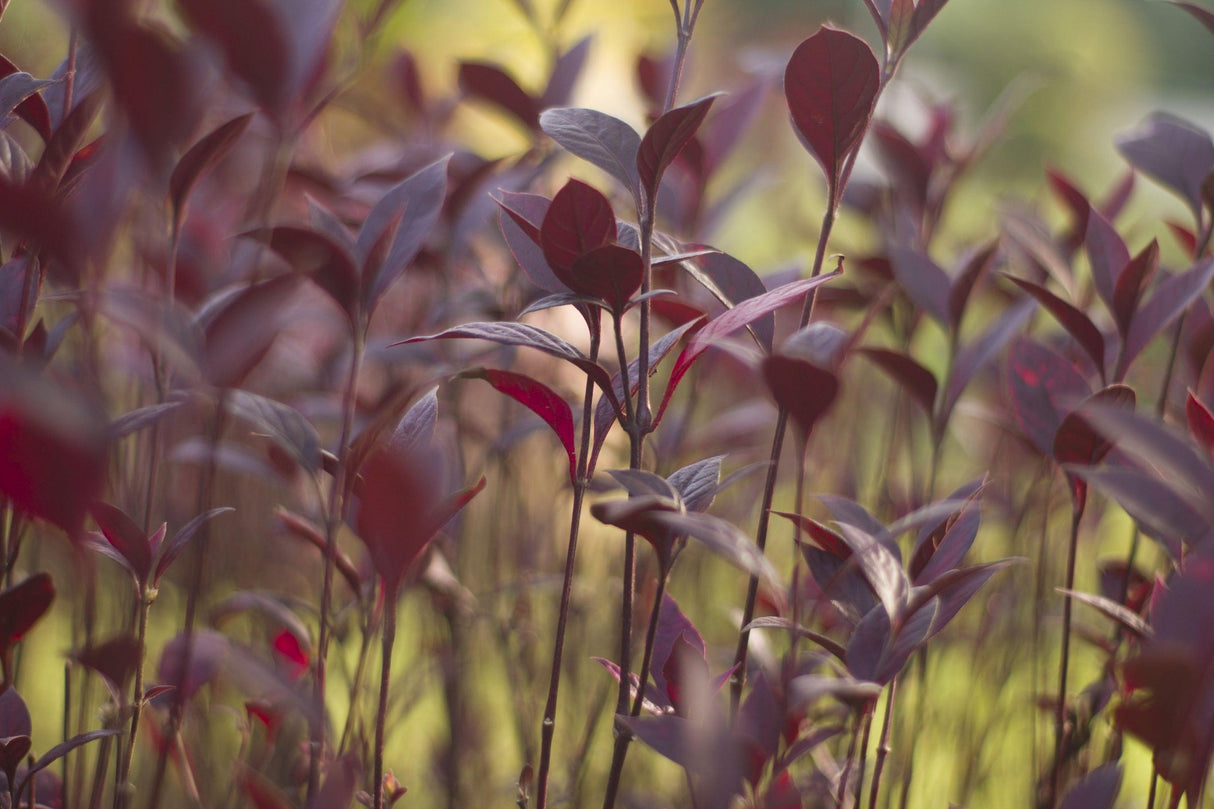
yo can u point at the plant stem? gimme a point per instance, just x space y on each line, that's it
381 712
121 788
1060 710
883 744
548 726
650 636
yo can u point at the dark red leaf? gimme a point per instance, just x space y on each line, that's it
612 273
1077 324
909 169
1077 441
251 37
240 333
1131 284
201 157
32 110
665 139
579 220
731 281
972 270
1171 297
916 380
292 652
125 537
599 139
324 260
30 214
823 537
1201 421
831 85
116 660
1076 201
22 605
337 792
801 388
1203 15
488 82
1044 387
539 399
733 319
565 73
14 715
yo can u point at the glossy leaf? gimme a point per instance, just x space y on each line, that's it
539 399
578 221
665 139
831 85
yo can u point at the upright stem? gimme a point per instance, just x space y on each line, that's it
385 674
336 513
1060 710
650 635
548 727
883 745
122 790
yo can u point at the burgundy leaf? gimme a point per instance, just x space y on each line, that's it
526 210
578 221
251 37
242 328
1044 386
415 203
946 554
66 141
722 132
733 319
21 606
1117 612
16 88
912 377
116 660
285 425
565 73
597 138
1176 153
822 536
342 778
612 273
1170 299
665 139
881 569
201 157
33 216
1201 421
125 537
1107 255
1076 201
801 388
909 168
322 259
170 550
639 515
1202 15
140 418
1076 441
974 356
14 715
539 399
1077 324
522 238
923 281
490 83
972 270
1131 284
831 85
1162 510
730 281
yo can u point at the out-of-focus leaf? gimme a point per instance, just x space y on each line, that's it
1170 299
282 423
1097 790
488 82
1177 154
201 157
912 377
801 388
1077 324
923 281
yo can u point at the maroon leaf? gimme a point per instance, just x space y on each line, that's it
612 273
1077 441
1107 255
253 42
801 388
415 203
171 549
1077 324
1170 299
16 88
490 83
242 328
665 139
125 537
1044 387
733 319
731 281
53 452
831 85
599 139
1174 152
579 220
324 260
974 356
1131 284
916 380
14 715
22 605
115 659
342 778
972 270
949 551
33 110
923 281
1201 421
1202 15
539 399
201 157
881 569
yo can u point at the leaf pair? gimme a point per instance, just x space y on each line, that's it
146 558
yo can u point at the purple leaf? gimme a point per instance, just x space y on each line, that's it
201 157
665 139
539 399
1076 441
520 219
33 110
881 569
730 281
324 260
415 430
253 42
240 328
952 547
1171 454
1111 609
1163 512
125 537
1174 152
597 138
416 202
285 425
1201 422
972 270
59 751
733 319
724 539
973 357
697 483
171 549
1077 324
1170 299
912 377
954 589
15 89
340 781
14 715
831 85
924 282
611 273
1097 790
565 72
800 388
490 83
20 608
1107 255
